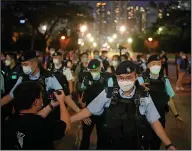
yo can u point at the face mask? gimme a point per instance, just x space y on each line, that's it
27 70
126 85
115 63
69 64
52 52
7 62
85 60
96 56
55 61
155 69
143 60
95 75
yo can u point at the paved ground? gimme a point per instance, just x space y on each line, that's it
180 137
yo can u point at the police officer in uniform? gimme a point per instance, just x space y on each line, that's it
11 74
93 84
33 72
127 108
161 93
60 67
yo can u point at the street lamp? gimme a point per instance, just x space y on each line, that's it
160 29
94 44
150 39
44 28
130 40
88 35
114 36
83 28
122 29
91 39
62 37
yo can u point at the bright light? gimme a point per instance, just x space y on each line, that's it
150 39
44 27
130 40
105 44
114 36
62 37
82 44
22 21
110 39
122 29
167 14
83 28
108 47
160 29
94 44
88 35
91 39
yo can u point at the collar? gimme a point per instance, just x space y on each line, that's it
127 97
58 67
34 77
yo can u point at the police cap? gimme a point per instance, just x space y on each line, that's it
153 58
126 67
57 54
28 55
93 64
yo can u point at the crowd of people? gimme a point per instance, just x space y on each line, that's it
126 100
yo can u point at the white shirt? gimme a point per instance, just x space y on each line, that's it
67 72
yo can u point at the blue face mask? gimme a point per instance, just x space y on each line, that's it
96 56
95 75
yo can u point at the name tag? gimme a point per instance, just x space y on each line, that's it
13 77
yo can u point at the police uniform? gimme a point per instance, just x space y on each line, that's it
92 88
126 118
45 78
160 91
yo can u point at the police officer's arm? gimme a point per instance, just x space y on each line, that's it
56 86
152 116
69 77
9 97
96 107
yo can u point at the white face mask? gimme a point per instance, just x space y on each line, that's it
126 85
69 64
55 61
155 69
52 52
95 75
7 62
115 63
27 70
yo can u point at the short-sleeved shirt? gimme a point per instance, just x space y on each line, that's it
50 82
168 86
180 62
67 72
30 131
147 107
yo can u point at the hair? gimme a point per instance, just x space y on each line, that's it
125 56
118 57
12 56
25 94
95 51
139 57
84 53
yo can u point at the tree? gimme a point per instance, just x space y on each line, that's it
55 15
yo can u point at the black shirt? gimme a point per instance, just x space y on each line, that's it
30 131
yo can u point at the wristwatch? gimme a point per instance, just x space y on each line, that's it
51 106
169 145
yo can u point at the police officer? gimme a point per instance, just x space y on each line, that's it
60 67
92 86
11 74
161 93
141 63
115 62
125 111
124 58
33 72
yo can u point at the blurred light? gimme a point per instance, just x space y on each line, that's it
108 47
82 44
94 44
167 14
114 36
122 29
88 35
62 37
83 28
179 6
80 41
91 39
130 40
22 21
150 39
44 27
160 29
110 39
105 44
